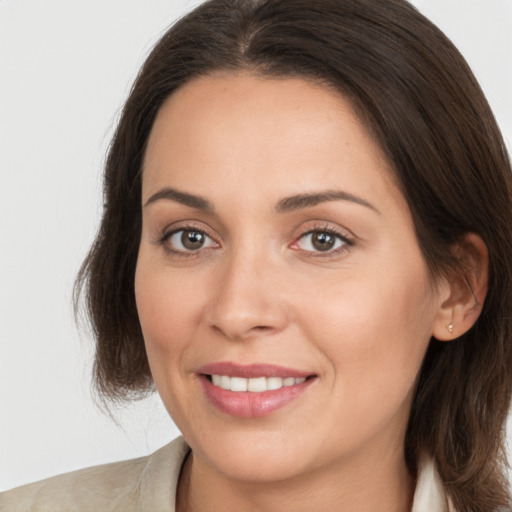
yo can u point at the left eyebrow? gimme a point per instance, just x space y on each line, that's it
300 201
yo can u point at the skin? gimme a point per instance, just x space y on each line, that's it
359 317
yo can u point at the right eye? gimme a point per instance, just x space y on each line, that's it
187 241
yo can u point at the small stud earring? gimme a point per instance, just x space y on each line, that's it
450 327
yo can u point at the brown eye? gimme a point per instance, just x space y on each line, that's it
322 241
192 240
188 240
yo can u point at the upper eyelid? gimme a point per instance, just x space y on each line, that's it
328 227
175 227
329 230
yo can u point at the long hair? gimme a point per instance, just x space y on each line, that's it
419 99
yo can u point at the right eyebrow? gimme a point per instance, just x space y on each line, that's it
172 194
309 200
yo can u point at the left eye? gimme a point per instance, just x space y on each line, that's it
320 241
187 240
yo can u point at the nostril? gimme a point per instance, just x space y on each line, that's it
238 319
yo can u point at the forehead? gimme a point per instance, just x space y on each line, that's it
272 134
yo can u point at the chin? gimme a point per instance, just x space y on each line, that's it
257 455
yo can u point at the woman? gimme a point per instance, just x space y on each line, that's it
305 248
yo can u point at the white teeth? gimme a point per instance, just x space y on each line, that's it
257 385
225 382
254 385
274 383
238 384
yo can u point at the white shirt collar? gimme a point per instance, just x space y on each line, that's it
429 495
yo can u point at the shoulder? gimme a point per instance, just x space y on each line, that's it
120 486
78 490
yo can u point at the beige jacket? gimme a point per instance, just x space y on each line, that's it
148 484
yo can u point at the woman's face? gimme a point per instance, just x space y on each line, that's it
278 255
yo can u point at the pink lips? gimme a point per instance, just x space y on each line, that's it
251 404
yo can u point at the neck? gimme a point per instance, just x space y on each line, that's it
359 483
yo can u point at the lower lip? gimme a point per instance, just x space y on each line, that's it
252 405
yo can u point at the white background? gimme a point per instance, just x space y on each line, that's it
65 69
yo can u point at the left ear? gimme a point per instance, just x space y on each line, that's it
463 291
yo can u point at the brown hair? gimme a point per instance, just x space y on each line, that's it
418 97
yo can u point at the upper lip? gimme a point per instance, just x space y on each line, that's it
250 371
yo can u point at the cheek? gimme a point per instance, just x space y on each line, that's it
167 306
377 311
374 332
167 314
163 322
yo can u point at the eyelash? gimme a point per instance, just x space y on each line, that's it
163 241
343 238
346 241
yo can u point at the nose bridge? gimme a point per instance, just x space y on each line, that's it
247 300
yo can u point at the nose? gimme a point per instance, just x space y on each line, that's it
249 299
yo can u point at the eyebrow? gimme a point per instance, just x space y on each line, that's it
172 194
287 204
300 201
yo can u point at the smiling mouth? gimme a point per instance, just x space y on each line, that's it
254 390
255 384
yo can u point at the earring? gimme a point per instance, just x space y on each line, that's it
450 328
